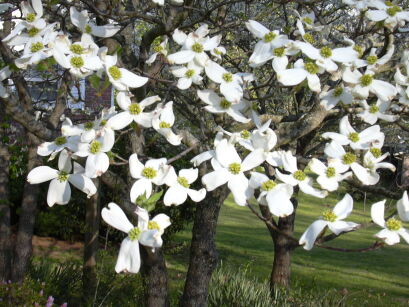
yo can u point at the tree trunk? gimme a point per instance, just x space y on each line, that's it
283 246
89 273
5 231
155 277
203 253
23 245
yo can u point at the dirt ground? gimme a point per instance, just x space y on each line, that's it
57 249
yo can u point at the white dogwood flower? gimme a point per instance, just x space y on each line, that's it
229 168
154 171
392 228
121 78
217 104
392 15
179 187
82 21
194 46
269 41
230 84
403 207
162 121
275 195
59 191
340 94
326 57
329 176
147 233
60 143
158 48
366 83
132 112
187 75
300 72
333 219
297 177
349 136
373 112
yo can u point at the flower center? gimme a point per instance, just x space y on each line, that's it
135 108
269 37
392 11
307 20
225 104
158 48
198 48
326 52
31 17
376 152
89 126
95 147
33 32
353 137
374 109
183 182
164 125
227 77
393 224
329 216
279 52
115 72
366 80
245 134
149 172
299 175
36 47
77 61
217 51
189 73
235 168
103 122
338 91
134 234
309 38
61 140
62 176
268 185
359 49
152 225
330 172
311 68
88 29
371 59
77 49
349 158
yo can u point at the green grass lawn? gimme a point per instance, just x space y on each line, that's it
375 278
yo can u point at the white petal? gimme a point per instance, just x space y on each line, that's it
377 213
404 234
41 174
151 238
253 159
175 195
403 207
181 57
309 189
344 207
390 237
197 196
257 179
135 166
257 29
105 31
310 235
376 15
120 120
341 226
226 153
83 183
190 174
215 179
238 185
129 259
58 193
290 77
140 187
132 80
115 217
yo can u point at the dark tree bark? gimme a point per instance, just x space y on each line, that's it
203 253
155 278
89 273
23 246
5 231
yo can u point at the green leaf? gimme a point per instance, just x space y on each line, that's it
94 80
